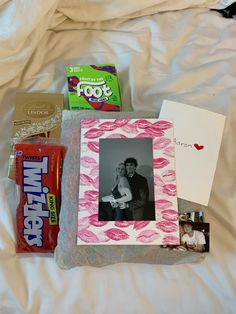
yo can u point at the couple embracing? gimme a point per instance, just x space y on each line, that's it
130 194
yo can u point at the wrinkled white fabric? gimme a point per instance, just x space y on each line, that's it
93 10
185 55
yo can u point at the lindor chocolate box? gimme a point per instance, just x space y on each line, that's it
35 115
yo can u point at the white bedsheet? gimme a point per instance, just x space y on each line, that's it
186 55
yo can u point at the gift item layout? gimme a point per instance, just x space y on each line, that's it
93 87
197 137
127 186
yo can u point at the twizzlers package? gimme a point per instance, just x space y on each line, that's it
38 174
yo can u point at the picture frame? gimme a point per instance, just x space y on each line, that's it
164 228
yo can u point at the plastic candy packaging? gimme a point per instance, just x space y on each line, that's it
38 174
36 115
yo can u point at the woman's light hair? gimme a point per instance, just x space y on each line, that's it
117 177
121 163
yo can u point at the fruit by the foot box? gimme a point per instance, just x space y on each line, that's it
93 87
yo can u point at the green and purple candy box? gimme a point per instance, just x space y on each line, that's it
93 87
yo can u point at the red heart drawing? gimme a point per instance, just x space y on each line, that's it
198 147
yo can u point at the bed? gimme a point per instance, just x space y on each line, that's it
176 50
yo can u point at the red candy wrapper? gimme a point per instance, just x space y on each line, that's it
38 173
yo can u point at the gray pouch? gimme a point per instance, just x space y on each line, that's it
67 253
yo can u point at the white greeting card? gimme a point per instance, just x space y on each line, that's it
130 160
197 137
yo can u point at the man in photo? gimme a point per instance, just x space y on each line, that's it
193 240
134 209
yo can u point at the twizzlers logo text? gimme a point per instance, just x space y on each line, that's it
36 198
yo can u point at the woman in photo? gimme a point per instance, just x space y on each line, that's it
121 192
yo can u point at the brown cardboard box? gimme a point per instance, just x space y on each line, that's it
36 115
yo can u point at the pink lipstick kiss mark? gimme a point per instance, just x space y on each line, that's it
88 162
93 208
83 200
93 146
163 204
169 175
154 131
167 226
160 162
140 224
107 126
129 128
84 205
142 124
86 180
93 219
94 172
158 190
91 195
88 236
83 223
158 184
169 189
161 143
116 234
157 180
89 123
198 147
123 224
144 135
116 135
147 236
96 182
163 125
169 214
120 122
169 151
93 133
103 238
170 240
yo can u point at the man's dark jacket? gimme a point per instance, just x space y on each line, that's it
140 192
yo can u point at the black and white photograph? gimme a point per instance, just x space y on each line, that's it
126 182
194 233
194 237
195 216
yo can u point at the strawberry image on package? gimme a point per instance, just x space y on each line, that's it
38 174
